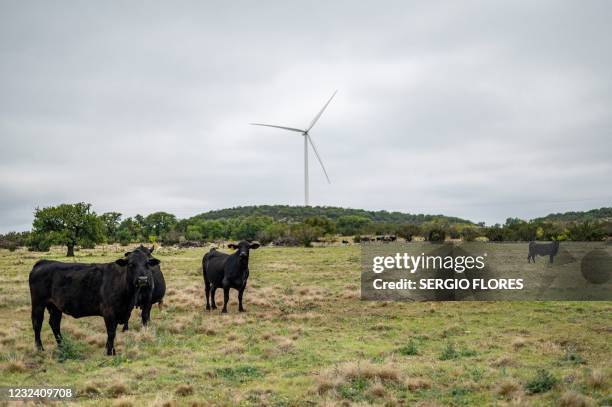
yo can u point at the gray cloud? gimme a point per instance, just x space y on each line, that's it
476 109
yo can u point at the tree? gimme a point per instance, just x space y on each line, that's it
67 224
351 224
469 233
158 224
129 230
110 221
305 234
436 235
408 231
495 233
323 222
586 231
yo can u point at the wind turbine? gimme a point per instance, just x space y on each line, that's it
307 139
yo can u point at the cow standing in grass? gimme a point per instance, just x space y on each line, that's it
226 271
109 290
542 249
147 298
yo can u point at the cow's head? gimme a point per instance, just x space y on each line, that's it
139 264
243 248
144 250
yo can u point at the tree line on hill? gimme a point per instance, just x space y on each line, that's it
77 225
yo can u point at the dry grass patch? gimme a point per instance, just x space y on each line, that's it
91 390
417 383
335 377
97 340
124 402
508 388
117 389
596 379
378 390
284 344
573 399
519 343
234 349
504 361
15 366
184 390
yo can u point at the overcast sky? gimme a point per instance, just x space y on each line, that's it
477 109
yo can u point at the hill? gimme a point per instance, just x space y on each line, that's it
593 214
299 213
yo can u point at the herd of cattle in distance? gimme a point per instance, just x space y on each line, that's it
113 290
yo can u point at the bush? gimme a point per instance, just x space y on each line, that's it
171 238
469 234
410 349
436 235
125 237
305 234
449 352
495 234
69 350
40 242
586 232
408 231
541 383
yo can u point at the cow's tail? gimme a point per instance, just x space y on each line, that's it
204 265
160 304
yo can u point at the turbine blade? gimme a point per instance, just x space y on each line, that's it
318 158
321 112
278 127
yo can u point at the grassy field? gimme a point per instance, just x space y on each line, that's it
307 339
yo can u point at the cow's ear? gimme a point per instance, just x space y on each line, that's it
254 245
232 246
121 262
127 254
153 262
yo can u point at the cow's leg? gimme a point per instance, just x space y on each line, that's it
145 314
55 320
240 307
225 299
551 258
38 314
126 326
212 297
207 291
111 329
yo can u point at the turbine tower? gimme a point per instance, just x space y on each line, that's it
307 140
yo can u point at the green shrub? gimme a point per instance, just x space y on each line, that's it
449 352
238 374
69 349
436 235
541 383
40 242
409 349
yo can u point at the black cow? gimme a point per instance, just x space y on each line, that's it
81 290
226 271
147 298
542 249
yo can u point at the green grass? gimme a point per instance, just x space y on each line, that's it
307 339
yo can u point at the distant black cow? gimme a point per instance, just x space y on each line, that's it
226 271
147 298
542 249
81 290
